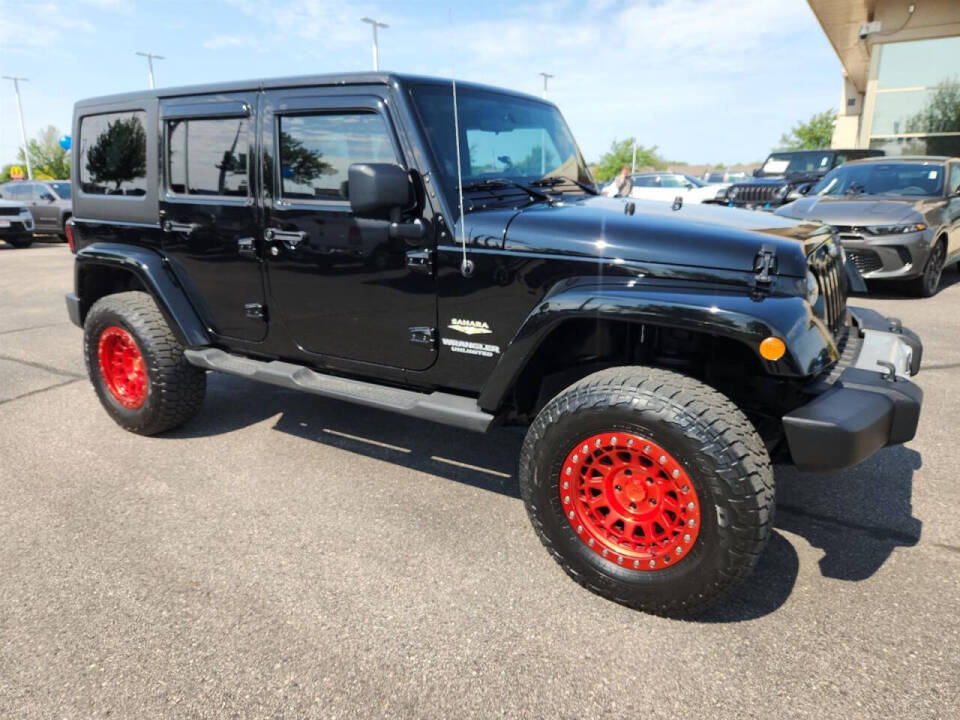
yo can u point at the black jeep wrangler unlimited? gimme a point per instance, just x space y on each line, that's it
442 253
786 176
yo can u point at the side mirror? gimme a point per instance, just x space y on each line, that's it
379 190
689 186
48 197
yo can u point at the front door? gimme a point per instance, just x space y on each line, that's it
340 284
208 211
46 213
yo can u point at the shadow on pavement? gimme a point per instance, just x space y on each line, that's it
857 517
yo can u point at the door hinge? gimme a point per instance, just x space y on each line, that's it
424 336
420 261
247 247
255 311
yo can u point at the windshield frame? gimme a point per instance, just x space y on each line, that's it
831 177
796 154
447 184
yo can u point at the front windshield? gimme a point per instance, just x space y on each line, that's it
62 189
802 162
501 136
892 178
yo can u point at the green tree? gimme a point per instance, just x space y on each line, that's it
49 160
119 153
621 153
811 135
940 115
300 164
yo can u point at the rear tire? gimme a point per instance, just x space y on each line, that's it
695 454
137 365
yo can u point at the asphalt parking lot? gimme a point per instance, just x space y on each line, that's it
290 556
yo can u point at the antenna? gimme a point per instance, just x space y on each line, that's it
466 264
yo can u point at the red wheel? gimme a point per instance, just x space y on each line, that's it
122 367
630 501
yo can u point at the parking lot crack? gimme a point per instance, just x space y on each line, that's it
34 327
45 368
41 390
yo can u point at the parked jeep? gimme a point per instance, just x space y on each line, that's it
659 357
786 176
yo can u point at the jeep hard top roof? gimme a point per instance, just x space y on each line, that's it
330 80
906 158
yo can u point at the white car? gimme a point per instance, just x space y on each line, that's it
16 224
668 186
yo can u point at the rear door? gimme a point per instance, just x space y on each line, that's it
340 284
208 208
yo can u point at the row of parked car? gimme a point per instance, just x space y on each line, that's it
897 218
34 207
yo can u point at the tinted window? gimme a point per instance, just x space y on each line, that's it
207 157
803 162
954 178
317 150
41 192
62 189
113 154
918 179
673 181
18 191
645 181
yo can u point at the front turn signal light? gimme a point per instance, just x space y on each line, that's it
772 348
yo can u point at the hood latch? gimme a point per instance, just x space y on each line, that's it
765 266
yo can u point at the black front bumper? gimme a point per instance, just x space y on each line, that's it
858 410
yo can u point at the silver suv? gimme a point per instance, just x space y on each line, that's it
50 203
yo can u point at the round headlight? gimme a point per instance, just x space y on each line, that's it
813 288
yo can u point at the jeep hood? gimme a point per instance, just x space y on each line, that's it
696 235
855 210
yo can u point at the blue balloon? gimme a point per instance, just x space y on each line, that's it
64 142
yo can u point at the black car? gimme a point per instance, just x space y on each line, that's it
786 176
898 219
660 357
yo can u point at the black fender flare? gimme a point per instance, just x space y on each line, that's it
732 314
157 277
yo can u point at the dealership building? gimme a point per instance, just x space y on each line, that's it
901 73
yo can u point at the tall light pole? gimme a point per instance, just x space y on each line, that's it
546 76
150 58
23 132
376 50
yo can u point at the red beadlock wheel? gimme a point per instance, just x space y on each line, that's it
122 367
630 501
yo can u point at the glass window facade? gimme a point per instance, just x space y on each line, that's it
917 98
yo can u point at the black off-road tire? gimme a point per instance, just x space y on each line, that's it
175 389
717 446
19 243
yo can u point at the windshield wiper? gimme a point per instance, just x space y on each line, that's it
500 183
555 180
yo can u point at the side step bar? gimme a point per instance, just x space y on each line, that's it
439 407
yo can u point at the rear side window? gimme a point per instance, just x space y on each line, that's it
317 150
207 157
113 154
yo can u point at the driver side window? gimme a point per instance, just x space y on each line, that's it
954 183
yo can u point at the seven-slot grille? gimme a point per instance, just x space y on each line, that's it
824 262
754 193
10 210
866 260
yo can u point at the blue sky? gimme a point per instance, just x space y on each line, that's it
705 80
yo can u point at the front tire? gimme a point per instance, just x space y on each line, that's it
137 365
928 284
649 488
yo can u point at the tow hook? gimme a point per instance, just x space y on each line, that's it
891 374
